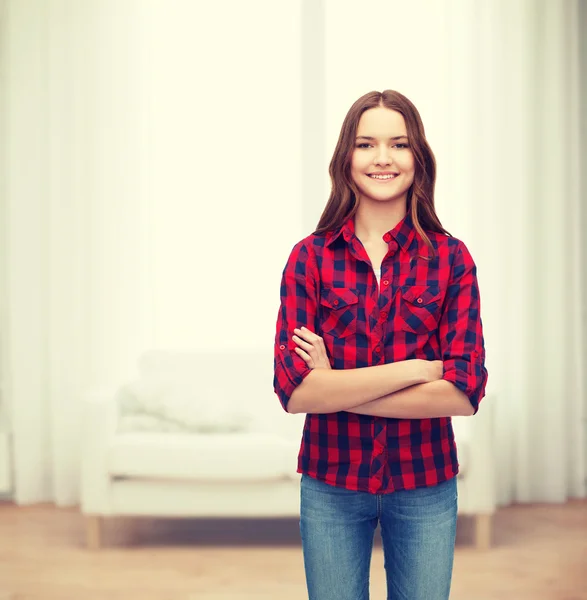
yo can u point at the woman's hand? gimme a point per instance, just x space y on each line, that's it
311 348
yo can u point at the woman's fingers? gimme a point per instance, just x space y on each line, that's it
308 335
311 348
306 357
303 354
298 340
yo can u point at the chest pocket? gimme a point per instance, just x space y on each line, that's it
339 307
420 308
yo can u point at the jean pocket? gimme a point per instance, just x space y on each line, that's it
339 308
420 308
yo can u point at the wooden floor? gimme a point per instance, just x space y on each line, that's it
539 553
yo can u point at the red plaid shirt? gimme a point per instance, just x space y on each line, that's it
426 309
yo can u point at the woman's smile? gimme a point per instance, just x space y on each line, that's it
383 177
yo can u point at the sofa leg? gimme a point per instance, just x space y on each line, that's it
93 531
483 531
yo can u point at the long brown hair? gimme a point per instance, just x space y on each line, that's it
343 203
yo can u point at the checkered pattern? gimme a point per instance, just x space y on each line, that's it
422 308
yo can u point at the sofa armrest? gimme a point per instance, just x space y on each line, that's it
99 421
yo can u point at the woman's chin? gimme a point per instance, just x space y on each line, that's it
384 198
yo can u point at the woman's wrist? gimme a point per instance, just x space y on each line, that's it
424 371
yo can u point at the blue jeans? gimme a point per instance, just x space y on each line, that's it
418 529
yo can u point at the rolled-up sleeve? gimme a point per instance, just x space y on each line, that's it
298 308
461 332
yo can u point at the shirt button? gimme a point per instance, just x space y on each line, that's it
336 303
385 282
386 237
378 349
282 347
384 315
419 300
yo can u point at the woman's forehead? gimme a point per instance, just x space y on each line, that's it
381 122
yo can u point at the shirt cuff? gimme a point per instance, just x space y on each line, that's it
289 373
469 376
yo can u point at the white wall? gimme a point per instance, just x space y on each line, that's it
221 95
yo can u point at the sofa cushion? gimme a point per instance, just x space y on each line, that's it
211 457
197 391
175 405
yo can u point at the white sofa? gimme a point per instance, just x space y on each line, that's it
203 435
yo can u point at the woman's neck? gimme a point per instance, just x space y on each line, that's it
374 219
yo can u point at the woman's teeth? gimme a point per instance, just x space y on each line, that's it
382 176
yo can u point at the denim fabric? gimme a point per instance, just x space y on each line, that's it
418 529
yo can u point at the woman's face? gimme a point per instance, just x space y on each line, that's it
382 163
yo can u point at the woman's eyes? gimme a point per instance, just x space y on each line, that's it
365 145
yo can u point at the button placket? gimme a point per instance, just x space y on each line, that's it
381 320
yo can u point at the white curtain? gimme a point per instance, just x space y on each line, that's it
152 197
154 148
529 227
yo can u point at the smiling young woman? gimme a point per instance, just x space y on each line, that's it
379 341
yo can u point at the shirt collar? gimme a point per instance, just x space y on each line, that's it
403 233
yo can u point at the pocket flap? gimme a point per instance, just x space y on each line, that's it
420 295
339 297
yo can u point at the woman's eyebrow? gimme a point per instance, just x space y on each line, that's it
371 139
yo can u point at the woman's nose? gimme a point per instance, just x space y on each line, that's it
383 156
